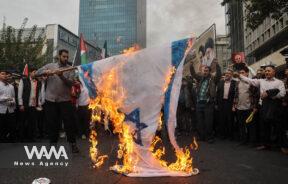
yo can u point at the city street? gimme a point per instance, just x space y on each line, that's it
221 162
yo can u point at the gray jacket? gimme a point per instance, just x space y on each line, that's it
58 89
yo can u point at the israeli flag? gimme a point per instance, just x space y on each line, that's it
143 75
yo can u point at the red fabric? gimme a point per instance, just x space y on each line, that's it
75 92
25 71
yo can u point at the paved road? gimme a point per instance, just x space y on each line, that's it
222 162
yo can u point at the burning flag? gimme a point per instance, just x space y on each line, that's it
131 90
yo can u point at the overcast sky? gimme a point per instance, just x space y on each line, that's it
167 20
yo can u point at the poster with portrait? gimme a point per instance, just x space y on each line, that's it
203 52
238 59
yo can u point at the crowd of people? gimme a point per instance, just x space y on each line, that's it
236 106
40 104
233 105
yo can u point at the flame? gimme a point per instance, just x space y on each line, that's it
131 50
160 122
97 160
126 152
105 108
168 78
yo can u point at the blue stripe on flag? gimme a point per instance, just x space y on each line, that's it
178 52
87 76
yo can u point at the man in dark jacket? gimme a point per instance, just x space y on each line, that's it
28 93
206 94
225 100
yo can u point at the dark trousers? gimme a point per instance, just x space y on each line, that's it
270 123
226 124
284 127
28 124
41 123
8 127
247 132
183 119
56 112
204 113
84 116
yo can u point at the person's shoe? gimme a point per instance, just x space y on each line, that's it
259 148
83 137
62 135
74 148
284 150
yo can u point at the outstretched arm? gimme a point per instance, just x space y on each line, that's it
253 82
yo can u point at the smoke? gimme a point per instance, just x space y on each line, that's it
169 20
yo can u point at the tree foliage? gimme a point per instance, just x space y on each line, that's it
258 10
22 46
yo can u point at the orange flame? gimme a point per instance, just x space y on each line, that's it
97 160
131 50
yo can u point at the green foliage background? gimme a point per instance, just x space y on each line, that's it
17 49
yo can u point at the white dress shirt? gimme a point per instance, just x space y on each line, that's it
244 100
7 98
265 84
32 100
226 89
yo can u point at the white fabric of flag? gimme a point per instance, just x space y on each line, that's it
142 75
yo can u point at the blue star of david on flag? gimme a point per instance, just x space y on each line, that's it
134 117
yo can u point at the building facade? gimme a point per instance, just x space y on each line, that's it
223 51
264 44
121 23
235 25
57 38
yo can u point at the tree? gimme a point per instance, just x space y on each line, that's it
21 46
258 10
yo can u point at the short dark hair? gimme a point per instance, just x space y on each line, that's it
63 50
209 68
201 49
209 43
246 69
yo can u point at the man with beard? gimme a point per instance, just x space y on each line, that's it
58 104
206 94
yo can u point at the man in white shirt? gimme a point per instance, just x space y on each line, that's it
244 103
28 94
7 108
272 91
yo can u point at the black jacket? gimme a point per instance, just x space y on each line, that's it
231 94
27 91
